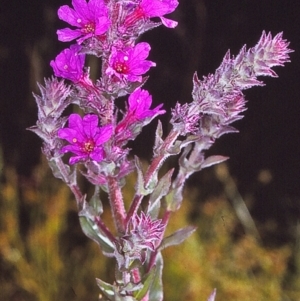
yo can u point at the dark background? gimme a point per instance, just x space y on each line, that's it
269 137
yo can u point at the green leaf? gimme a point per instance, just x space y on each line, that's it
96 203
91 230
156 289
212 160
140 186
147 281
107 289
158 139
177 237
160 191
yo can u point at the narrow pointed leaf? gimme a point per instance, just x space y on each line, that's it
212 160
91 230
96 203
107 289
177 237
160 191
156 289
140 186
147 283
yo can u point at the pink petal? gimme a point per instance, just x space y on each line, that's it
67 34
90 125
69 15
82 9
168 23
102 25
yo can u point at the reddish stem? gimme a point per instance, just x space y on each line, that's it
116 204
104 229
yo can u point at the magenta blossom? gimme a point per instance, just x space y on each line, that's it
139 105
91 19
159 8
139 110
129 63
153 8
85 137
69 64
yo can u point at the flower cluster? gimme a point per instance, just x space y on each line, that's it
142 234
97 136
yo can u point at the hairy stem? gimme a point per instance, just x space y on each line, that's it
116 203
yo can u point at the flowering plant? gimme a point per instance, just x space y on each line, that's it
98 137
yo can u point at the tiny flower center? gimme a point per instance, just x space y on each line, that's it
121 67
88 146
88 28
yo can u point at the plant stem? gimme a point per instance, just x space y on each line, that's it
117 204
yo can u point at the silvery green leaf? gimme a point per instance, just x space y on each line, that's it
39 132
161 189
140 186
177 237
147 281
57 172
226 129
91 230
175 149
158 138
156 289
212 160
96 203
107 289
183 161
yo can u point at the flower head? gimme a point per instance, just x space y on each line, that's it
147 9
220 94
85 137
129 63
90 18
159 8
69 64
138 113
185 118
142 234
139 105
144 231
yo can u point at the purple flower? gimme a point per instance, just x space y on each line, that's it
129 63
153 8
159 8
139 105
91 19
139 110
85 137
69 64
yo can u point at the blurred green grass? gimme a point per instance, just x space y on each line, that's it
44 255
